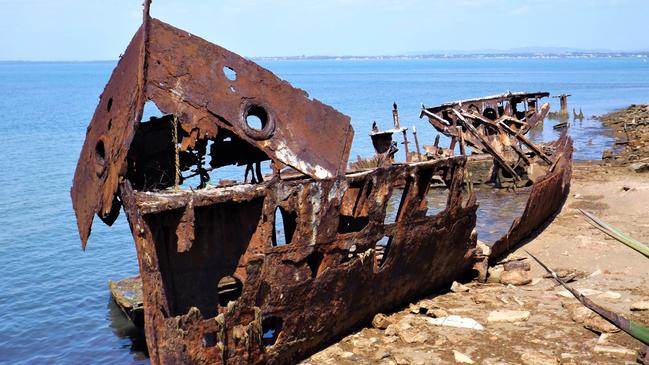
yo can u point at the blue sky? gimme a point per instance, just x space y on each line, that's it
100 30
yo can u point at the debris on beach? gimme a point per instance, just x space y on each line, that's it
614 321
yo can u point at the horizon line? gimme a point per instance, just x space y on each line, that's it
433 54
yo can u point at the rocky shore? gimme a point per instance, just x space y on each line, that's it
631 128
521 316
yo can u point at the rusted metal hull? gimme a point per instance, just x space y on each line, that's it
219 285
547 197
311 291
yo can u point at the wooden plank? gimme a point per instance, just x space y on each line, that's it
492 151
527 142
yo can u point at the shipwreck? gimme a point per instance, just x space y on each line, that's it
219 282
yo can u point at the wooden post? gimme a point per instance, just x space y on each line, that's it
395 116
405 144
452 146
414 133
459 132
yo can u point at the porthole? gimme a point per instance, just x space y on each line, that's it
256 122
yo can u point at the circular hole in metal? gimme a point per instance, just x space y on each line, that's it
256 122
256 117
229 73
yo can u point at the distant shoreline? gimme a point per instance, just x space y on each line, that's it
476 56
435 56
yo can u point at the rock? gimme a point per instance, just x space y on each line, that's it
427 304
381 321
495 273
517 265
481 298
427 307
536 281
456 321
584 292
406 331
639 167
617 350
562 273
462 358
603 339
413 335
595 273
392 330
459 288
389 339
607 155
361 343
508 316
416 309
578 312
516 277
405 322
640 306
486 250
600 325
530 358
437 313
380 355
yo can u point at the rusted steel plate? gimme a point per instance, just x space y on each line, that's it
546 198
325 281
188 76
108 137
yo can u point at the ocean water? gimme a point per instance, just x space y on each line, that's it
54 301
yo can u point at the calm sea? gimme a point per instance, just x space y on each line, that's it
54 301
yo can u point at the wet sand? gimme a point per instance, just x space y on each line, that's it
547 326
